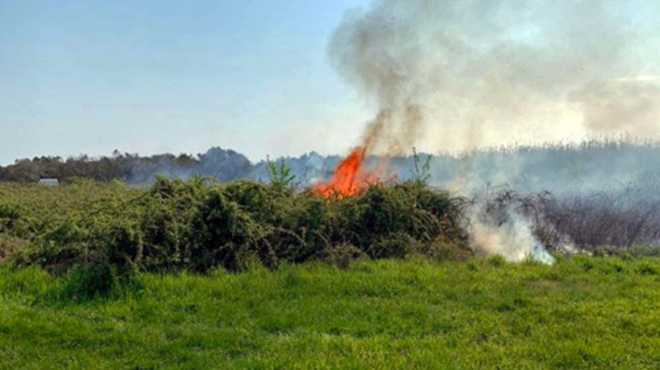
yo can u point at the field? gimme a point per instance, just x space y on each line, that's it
108 276
582 313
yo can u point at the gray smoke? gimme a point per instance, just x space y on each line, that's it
463 74
631 103
485 73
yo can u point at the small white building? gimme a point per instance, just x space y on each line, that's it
49 182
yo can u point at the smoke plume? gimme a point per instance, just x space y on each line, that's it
631 103
457 75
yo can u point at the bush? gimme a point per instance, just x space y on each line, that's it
342 255
192 225
8 217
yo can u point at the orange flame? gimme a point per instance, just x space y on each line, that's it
349 178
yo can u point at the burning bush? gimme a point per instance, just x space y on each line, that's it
193 225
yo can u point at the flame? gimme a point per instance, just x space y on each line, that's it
349 178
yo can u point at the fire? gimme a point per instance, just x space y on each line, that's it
349 178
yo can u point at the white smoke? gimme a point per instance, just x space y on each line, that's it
490 73
463 74
509 235
629 103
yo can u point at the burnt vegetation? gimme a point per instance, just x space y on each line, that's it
619 221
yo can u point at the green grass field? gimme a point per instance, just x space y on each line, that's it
411 297
582 313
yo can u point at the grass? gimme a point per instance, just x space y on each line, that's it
582 313
414 312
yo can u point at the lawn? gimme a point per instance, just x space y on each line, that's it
584 312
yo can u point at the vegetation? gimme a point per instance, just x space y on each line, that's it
584 312
198 274
198 226
421 174
610 222
281 178
224 165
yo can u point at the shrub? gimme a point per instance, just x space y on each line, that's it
192 225
8 217
281 178
342 255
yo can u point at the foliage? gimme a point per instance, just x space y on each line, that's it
98 280
8 217
421 174
280 176
224 165
198 226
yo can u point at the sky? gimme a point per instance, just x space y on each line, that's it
89 77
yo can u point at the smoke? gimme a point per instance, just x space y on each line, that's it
464 74
630 104
223 165
509 235
457 74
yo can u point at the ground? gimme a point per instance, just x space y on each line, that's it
585 312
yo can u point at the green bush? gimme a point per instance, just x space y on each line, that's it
196 226
8 217
342 255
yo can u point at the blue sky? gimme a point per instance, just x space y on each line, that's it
92 76
170 76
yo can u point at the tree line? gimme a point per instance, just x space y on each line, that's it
226 165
